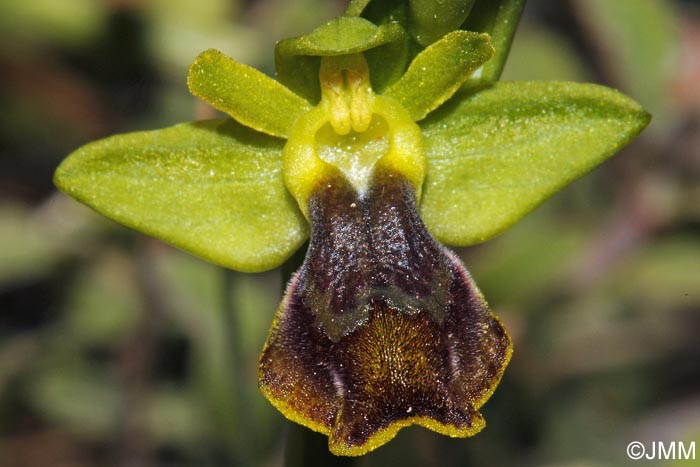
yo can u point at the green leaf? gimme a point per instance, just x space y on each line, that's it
60 390
499 19
664 273
26 251
639 43
296 61
35 241
432 19
228 86
53 22
104 303
438 71
179 30
496 155
539 54
213 188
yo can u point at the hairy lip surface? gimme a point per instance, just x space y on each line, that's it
382 327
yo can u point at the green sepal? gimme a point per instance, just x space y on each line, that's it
297 59
355 7
432 19
388 11
228 86
213 188
439 70
496 155
499 19
388 62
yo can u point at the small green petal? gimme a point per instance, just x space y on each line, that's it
249 96
213 188
496 155
438 71
296 59
499 19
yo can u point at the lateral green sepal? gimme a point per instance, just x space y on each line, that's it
213 188
496 155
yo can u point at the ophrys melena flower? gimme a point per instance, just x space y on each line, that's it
382 326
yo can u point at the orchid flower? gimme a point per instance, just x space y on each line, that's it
379 163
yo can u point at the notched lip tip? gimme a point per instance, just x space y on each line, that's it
388 433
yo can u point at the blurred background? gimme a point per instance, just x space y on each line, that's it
117 350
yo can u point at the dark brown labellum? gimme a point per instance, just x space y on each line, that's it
381 327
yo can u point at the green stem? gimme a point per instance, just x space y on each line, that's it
306 448
309 449
241 407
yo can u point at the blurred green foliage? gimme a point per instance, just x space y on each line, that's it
118 350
